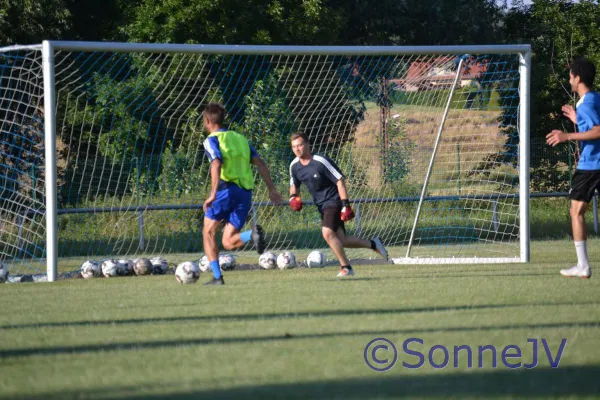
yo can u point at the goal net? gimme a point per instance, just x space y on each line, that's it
429 139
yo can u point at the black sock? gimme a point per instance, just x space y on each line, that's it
346 266
373 245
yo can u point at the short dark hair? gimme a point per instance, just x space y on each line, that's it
585 70
300 134
215 113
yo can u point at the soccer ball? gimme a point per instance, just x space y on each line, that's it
226 262
187 272
204 264
286 260
110 268
142 266
159 266
125 267
316 259
3 273
91 269
267 260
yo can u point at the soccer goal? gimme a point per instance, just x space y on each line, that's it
101 146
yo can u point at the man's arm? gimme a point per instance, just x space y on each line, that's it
341 187
555 137
263 170
293 190
215 176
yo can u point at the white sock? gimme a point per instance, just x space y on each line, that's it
581 249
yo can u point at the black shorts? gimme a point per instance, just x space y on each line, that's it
331 219
584 185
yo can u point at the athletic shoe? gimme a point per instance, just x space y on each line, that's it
258 237
215 281
346 271
379 248
577 271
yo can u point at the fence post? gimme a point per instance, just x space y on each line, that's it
458 163
358 218
595 206
141 225
20 221
254 218
495 217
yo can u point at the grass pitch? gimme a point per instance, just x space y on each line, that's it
302 333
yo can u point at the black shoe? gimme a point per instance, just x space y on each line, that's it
215 281
258 237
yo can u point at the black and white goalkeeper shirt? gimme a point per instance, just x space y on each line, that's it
320 176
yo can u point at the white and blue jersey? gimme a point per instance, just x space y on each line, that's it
588 116
234 194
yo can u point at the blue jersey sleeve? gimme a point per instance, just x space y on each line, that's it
253 152
587 117
211 148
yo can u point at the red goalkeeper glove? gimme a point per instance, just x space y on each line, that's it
347 213
296 203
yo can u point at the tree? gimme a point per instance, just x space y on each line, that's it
232 21
31 21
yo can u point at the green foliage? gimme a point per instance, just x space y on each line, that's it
268 122
31 21
204 21
397 155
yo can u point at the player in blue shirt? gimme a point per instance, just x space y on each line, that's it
232 181
325 182
586 179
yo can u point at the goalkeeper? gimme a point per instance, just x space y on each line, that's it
325 182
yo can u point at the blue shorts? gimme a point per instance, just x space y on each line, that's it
231 205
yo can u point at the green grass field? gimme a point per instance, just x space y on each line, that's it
302 333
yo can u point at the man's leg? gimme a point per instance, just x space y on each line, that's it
209 232
582 269
353 242
332 230
336 245
233 237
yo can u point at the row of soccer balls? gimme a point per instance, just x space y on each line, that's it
189 272
159 266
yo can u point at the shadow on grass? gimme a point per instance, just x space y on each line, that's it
290 315
571 381
124 346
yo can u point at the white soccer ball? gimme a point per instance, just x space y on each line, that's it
226 262
110 268
187 272
286 260
159 266
125 267
3 273
316 259
142 266
91 269
204 264
267 260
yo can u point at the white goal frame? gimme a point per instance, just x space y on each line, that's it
523 51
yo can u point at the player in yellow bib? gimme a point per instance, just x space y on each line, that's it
232 181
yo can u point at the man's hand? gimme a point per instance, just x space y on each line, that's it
208 202
296 203
347 214
275 196
569 112
556 137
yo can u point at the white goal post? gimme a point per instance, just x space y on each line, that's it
433 140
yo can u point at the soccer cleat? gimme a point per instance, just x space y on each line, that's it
379 248
346 272
258 237
215 281
577 271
